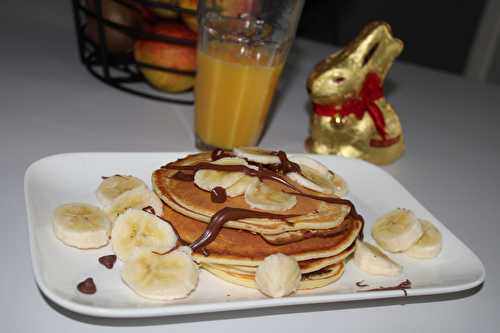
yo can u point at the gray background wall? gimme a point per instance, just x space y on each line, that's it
437 34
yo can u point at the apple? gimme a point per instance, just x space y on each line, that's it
167 55
116 41
163 12
234 8
231 8
189 19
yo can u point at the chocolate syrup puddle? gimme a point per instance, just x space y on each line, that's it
218 194
229 214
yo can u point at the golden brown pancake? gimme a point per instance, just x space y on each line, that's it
186 198
294 236
239 247
312 280
318 234
306 266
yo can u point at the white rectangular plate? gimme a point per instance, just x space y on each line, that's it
65 178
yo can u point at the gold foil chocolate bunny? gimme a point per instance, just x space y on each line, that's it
351 116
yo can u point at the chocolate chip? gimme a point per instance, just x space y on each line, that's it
108 261
87 286
218 194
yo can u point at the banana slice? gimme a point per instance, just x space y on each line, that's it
241 185
373 261
278 275
138 229
112 187
397 230
209 179
139 198
429 245
261 196
81 225
161 277
317 177
340 186
256 154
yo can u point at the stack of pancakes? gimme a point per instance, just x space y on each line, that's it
318 234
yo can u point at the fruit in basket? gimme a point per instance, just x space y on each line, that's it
169 55
189 19
236 8
231 8
120 13
163 12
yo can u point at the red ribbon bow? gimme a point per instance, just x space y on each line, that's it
371 91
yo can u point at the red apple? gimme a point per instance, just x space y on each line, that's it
190 19
231 8
116 41
168 55
163 12
235 8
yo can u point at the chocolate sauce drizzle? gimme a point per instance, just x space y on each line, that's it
352 212
149 209
263 172
176 246
333 200
361 284
406 284
117 175
229 214
183 176
260 173
321 233
218 153
218 194
286 165
324 270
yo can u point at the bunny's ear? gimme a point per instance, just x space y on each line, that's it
374 49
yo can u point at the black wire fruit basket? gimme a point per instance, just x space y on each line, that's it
106 32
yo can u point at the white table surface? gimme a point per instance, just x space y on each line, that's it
50 104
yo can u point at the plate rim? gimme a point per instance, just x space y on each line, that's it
186 308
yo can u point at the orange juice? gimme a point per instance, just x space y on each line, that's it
233 94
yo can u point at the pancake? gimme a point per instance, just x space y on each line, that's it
186 198
306 266
294 236
239 247
312 280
